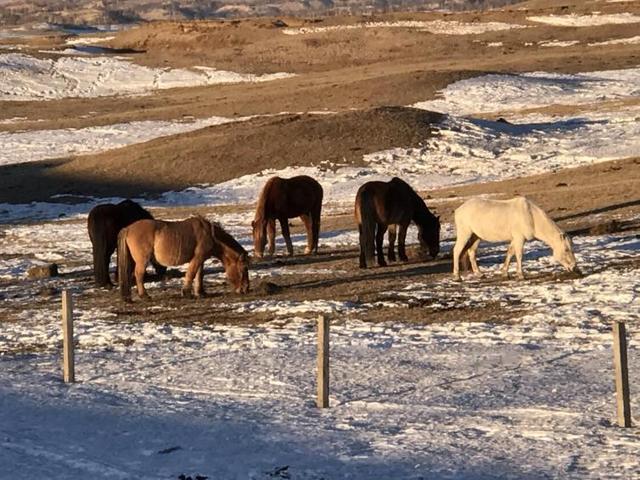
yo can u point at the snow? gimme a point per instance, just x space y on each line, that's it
437 27
529 398
87 40
34 145
25 78
574 20
559 43
526 397
500 92
618 41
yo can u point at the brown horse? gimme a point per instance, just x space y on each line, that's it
104 223
282 199
175 243
380 204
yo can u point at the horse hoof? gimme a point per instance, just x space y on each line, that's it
145 298
187 294
404 258
457 278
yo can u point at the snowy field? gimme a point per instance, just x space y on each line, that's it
23 77
436 27
530 397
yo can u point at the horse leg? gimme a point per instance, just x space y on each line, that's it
461 242
518 247
507 261
198 284
391 251
192 269
315 229
306 219
141 267
271 236
363 257
382 229
284 226
402 237
472 255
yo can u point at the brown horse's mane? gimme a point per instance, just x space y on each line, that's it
261 204
223 237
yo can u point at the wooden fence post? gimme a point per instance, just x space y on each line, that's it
323 362
623 402
68 366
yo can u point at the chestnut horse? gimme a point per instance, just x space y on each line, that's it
175 243
104 223
383 204
282 199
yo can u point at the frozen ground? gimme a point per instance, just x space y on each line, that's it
436 26
23 77
530 397
466 149
574 20
526 399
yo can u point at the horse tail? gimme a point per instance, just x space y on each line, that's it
98 237
125 265
366 224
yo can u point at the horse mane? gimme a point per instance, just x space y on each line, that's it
538 214
423 214
226 239
261 204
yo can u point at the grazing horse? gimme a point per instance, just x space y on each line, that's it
282 199
380 204
515 221
189 241
104 223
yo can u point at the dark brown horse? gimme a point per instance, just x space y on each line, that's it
282 199
104 223
380 204
189 241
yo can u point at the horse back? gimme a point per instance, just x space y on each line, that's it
496 220
176 243
291 197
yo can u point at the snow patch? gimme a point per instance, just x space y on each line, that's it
25 78
575 20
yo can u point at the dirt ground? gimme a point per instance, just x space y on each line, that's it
357 74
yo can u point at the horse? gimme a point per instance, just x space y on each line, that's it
515 220
282 199
104 223
175 243
381 204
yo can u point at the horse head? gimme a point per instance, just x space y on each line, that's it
238 273
429 237
563 253
259 237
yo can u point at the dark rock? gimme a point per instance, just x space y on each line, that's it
43 271
279 23
268 288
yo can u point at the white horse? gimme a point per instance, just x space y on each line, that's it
515 221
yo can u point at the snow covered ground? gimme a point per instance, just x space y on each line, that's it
526 398
23 77
574 20
437 26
